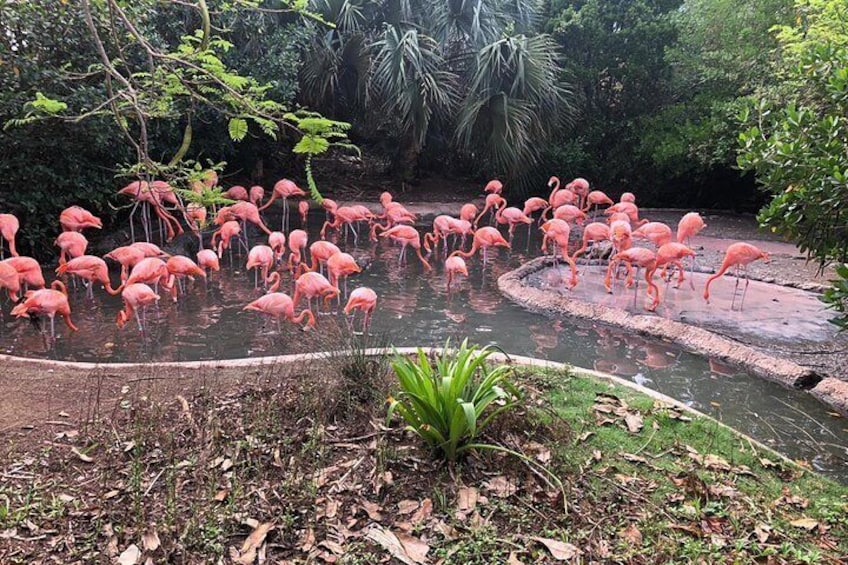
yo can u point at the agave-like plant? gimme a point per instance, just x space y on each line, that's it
448 404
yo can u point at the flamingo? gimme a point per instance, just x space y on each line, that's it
237 192
580 187
670 253
329 207
127 256
493 200
298 239
346 216
628 197
150 270
243 211
71 244
10 280
321 251
91 269
256 194
533 205
484 238
280 305
407 235
149 249
559 232
277 242
310 285
559 196
303 209
690 224
76 218
738 255
642 258
9 226
29 271
595 199
260 257
441 228
657 233
454 266
468 212
593 232
628 208
48 302
395 215
136 297
285 189
570 213
512 216
494 186
152 195
180 267
365 300
341 265
227 231
208 259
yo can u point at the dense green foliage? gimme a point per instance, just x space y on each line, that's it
450 404
795 139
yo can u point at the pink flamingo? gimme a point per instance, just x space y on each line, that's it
533 205
127 256
597 198
512 216
628 208
285 189
594 232
136 297
150 270
256 194
455 266
559 232
468 212
260 257
180 267
365 300
76 218
298 239
9 226
407 235
71 244
346 216
277 242
580 187
657 233
237 192
228 230
280 305
320 251
29 271
494 186
149 249
493 201
311 285
303 209
243 211
689 225
89 268
670 253
208 259
48 302
10 280
642 258
341 265
484 238
151 196
570 213
441 228
627 197
738 255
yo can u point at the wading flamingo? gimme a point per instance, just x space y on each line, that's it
559 232
29 271
494 186
365 300
208 259
346 216
136 297
9 226
244 212
494 202
277 242
127 256
229 230
303 210
454 266
311 285
468 212
320 251
150 270
10 280
179 268
71 244
441 228
298 240
256 194
149 249
512 216
341 265
484 238
47 302
151 197
285 189
91 269
280 305
261 258
641 258
669 254
407 235
738 255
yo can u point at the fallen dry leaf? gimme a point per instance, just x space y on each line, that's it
247 555
807 523
150 540
307 542
513 560
416 548
634 423
130 555
423 512
762 532
501 486
408 506
334 547
560 550
631 534
390 542
372 509
222 494
467 499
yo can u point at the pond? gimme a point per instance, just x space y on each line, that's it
414 308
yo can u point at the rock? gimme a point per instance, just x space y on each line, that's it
833 392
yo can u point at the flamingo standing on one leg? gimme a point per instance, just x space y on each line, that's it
365 300
136 297
9 226
738 255
48 302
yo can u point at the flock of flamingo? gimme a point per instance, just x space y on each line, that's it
145 268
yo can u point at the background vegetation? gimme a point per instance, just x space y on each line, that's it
643 95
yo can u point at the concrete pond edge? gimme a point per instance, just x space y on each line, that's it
499 357
829 390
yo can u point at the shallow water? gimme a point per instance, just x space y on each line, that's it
414 308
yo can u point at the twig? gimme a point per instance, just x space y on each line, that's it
153 482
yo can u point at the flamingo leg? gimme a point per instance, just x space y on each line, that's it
53 327
744 290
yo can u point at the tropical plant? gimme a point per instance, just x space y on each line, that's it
450 403
836 297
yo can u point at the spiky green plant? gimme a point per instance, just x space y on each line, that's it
449 404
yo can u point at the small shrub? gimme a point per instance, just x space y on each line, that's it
447 404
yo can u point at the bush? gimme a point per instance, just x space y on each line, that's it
447 404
